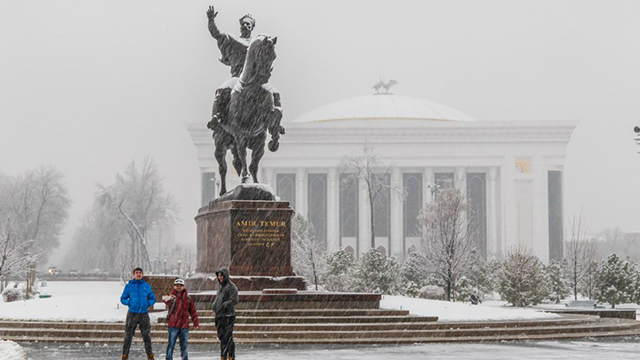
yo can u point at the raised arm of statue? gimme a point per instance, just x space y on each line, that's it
213 29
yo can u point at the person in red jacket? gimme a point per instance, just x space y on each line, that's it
180 307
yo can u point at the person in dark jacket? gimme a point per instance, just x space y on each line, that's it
180 307
138 296
225 309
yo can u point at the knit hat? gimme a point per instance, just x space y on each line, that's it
178 282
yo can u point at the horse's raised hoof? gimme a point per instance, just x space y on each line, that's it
245 179
273 146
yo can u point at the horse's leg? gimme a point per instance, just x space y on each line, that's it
257 147
220 154
237 163
241 147
276 129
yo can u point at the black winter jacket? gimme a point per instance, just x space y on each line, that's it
227 297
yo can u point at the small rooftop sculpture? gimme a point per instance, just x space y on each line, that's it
386 86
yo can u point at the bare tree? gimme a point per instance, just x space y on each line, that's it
307 255
447 238
580 252
138 196
374 174
37 203
97 241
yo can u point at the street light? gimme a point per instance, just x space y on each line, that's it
165 266
179 263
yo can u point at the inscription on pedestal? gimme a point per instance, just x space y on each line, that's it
261 242
260 232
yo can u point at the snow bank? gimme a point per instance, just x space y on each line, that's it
72 300
451 311
11 351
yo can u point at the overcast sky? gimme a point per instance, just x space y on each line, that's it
89 86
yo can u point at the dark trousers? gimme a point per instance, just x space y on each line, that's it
133 320
224 325
183 335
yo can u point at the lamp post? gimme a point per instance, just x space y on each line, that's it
179 263
165 266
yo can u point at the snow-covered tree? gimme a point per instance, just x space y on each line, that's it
33 210
376 273
307 254
340 269
615 281
590 281
480 278
413 274
521 280
139 199
580 252
447 237
558 280
374 174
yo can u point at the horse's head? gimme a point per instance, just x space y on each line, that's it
259 60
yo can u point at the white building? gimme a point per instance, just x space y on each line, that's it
511 172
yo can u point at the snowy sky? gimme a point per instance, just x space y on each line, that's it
90 85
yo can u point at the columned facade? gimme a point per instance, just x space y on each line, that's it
510 172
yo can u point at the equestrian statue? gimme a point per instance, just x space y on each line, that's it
246 106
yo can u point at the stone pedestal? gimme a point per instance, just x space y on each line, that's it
251 238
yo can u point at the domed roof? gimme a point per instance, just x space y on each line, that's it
383 107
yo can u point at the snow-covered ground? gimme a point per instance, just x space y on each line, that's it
11 351
100 301
72 300
450 311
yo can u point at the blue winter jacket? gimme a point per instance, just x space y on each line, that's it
138 296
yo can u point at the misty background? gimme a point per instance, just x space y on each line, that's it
90 86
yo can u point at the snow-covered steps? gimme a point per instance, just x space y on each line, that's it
337 333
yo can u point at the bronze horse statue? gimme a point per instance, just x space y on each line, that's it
253 109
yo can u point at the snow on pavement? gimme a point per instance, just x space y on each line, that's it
455 311
11 351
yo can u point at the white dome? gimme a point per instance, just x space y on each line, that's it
383 107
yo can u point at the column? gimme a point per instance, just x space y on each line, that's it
364 213
540 208
301 194
461 179
493 245
427 180
396 236
508 204
333 211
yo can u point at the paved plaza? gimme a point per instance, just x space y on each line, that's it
627 348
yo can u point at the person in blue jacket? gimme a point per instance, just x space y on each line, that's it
138 296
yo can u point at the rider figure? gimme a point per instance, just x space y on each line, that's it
234 51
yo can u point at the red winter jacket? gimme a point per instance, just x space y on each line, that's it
180 311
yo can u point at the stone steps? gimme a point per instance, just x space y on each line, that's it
370 326
458 331
587 333
319 319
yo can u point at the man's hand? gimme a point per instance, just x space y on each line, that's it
197 327
211 13
172 296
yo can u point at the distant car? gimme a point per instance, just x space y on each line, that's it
54 271
73 273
